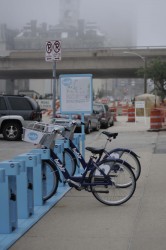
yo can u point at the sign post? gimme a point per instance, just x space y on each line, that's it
53 54
76 92
54 90
140 105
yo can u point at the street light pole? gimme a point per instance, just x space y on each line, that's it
145 65
145 80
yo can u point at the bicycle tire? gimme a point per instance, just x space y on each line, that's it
70 161
118 192
129 156
50 179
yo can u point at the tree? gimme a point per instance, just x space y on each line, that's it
156 71
100 93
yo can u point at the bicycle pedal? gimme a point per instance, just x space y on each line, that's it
113 175
103 191
79 188
88 189
73 183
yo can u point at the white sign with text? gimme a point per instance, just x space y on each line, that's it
53 51
140 104
76 93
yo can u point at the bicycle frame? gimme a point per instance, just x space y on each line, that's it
80 181
74 150
80 158
78 154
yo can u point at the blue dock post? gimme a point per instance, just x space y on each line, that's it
8 196
47 180
25 202
37 183
76 140
33 165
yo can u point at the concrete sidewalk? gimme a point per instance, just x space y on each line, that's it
79 221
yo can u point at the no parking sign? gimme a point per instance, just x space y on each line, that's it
53 54
53 51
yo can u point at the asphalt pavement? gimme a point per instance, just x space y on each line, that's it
79 221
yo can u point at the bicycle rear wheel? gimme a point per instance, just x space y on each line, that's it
117 192
129 156
50 179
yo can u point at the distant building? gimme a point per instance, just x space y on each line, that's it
69 13
82 35
73 32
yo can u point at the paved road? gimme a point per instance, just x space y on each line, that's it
79 221
11 149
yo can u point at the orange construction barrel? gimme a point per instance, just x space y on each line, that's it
131 114
155 119
125 110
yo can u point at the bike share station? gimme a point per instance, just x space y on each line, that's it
21 187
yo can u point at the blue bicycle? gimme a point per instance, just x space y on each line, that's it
73 156
111 181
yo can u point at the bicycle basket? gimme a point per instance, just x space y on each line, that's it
68 132
30 135
48 140
39 132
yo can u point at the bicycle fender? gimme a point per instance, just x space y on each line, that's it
125 150
104 161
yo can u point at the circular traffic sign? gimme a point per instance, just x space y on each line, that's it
57 46
49 47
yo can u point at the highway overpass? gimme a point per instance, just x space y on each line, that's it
102 63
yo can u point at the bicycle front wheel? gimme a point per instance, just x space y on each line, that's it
70 161
50 179
114 192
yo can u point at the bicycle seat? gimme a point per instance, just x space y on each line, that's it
109 134
95 150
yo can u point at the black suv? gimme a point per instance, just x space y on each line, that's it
15 112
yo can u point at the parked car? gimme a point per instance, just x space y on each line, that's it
15 112
92 121
105 115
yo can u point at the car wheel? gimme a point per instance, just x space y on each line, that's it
88 129
111 123
12 131
106 125
98 126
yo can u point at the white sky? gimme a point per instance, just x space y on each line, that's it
147 16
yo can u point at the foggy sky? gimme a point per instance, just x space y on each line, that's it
147 17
